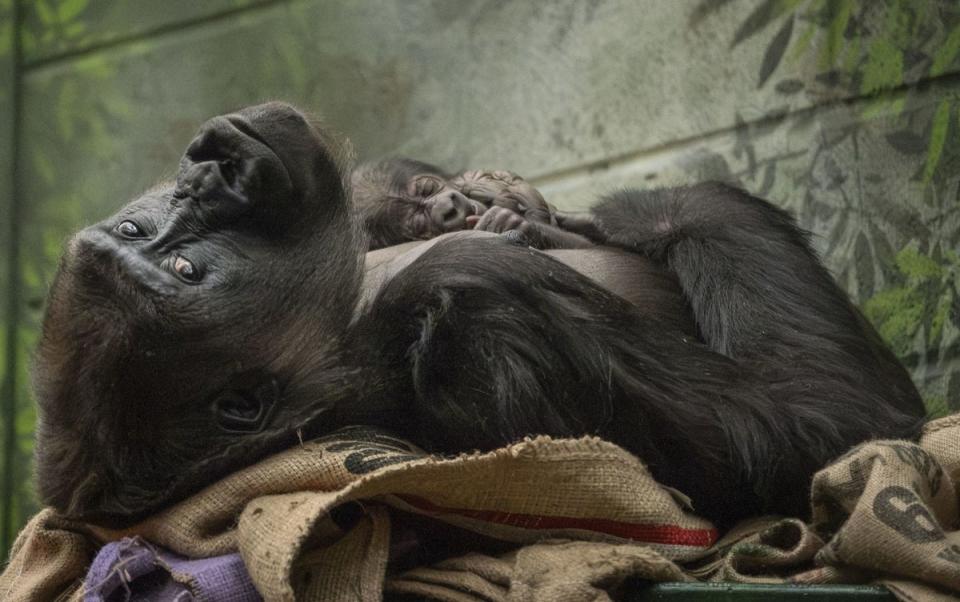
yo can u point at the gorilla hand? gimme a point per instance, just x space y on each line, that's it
505 189
540 235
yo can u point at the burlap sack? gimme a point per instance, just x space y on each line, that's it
770 554
582 516
559 571
538 489
48 560
278 512
941 439
888 512
889 507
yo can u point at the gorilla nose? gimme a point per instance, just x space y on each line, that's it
91 249
450 210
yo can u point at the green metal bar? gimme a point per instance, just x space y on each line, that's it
743 592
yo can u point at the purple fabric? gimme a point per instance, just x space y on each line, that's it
132 569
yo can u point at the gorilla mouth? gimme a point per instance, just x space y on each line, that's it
227 160
478 209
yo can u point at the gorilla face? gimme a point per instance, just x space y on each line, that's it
172 332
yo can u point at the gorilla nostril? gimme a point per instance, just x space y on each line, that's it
451 213
461 204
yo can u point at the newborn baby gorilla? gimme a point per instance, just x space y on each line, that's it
215 321
404 200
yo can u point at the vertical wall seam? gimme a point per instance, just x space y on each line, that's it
9 399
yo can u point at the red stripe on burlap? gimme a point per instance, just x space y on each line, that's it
648 533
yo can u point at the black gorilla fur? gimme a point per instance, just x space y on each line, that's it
208 324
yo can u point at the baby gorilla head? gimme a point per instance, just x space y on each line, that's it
403 200
169 337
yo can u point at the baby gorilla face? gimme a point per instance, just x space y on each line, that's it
430 205
403 200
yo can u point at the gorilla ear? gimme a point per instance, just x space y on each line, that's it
247 406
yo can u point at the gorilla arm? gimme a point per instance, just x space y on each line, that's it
540 235
760 295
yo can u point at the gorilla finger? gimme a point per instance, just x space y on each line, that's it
491 218
508 220
516 237
540 216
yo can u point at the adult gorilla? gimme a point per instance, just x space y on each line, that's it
209 323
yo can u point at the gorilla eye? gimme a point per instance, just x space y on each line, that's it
186 270
130 229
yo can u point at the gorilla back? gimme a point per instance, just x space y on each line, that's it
207 324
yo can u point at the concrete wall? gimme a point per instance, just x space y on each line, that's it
845 111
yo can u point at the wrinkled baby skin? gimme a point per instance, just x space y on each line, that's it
403 200
504 189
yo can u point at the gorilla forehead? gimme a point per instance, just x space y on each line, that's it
393 173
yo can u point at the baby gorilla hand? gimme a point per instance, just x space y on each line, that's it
484 186
499 220
504 189
538 235
516 237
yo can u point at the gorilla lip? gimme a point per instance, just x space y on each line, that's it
471 220
236 176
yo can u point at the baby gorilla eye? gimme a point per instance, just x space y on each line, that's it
130 229
186 270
